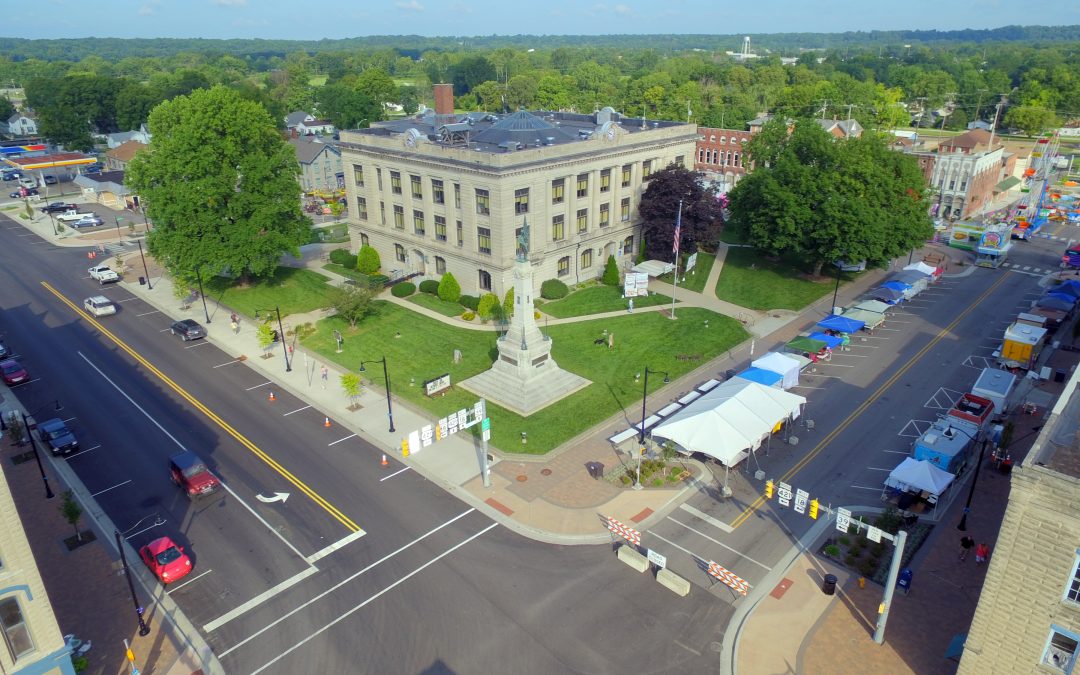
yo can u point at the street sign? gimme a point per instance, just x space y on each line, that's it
691 261
486 434
843 519
657 559
873 534
486 424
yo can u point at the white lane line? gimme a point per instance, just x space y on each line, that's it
101 492
373 598
684 550
127 299
722 544
180 445
296 411
340 543
83 452
341 439
860 487
258 385
341 583
227 363
803 386
394 474
874 468
149 313
715 522
897 452
197 344
165 330
176 588
259 599
830 363
145 529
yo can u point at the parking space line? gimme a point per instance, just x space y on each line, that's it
95 494
340 543
258 385
197 344
296 411
176 588
874 468
897 452
873 489
341 439
127 299
83 452
149 313
722 544
394 474
707 518
830 363
227 363
260 598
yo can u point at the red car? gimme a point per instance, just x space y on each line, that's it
191 473
166 560
13 373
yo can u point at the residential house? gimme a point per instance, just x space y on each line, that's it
19 124
142 135
444 193
320 164
117 159
313 126
836 128
295 118
980 124
107 188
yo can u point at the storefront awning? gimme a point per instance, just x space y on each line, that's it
1007 184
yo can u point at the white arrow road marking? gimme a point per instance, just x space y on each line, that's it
278 497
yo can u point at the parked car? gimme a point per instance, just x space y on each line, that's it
187 329
166 560
13 373
57 207
51 180
86 221
191 473
10 175
92 168
56 435
99 305
4 351
103 274
27 181
29 192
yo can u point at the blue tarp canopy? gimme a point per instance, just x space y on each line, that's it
841 324
831 341
896 285
1070 287
1064 297
761 376
1050 302
889 295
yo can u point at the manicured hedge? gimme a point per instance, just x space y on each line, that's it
470 301
553 289
403 290
341 256
429 286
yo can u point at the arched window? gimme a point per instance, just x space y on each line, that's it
723 140
485 281
564 266
440 265
399 253
736 160
363 239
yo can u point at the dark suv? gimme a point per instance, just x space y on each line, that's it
56 435
192 474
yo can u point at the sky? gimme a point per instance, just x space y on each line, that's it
317 19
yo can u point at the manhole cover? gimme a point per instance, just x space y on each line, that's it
522 478
545 472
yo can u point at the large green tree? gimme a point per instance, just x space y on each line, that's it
702 215
347 108
220 185
829 200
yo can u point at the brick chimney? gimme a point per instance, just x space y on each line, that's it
444 99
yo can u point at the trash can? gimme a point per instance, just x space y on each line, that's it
903 581
142 281
596 469
1059 375
828 584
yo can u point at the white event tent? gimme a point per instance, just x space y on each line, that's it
781 364
730 421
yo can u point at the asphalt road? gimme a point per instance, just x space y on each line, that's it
352 573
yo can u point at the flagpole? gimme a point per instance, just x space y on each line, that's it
678 235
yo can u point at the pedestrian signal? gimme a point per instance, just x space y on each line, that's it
768 489
814 505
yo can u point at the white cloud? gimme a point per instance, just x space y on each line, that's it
410 6
149 8
623 9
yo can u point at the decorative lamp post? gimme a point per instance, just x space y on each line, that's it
386 376
281 333
641 434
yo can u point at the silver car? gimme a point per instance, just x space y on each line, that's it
86 221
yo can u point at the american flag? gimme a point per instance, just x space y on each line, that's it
678 231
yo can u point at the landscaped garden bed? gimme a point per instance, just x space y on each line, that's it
871 559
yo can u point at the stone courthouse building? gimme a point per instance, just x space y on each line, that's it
443 192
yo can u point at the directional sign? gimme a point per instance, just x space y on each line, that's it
278 497
843 519
657 559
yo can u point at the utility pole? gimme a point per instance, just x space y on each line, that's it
978 104
997 113
849 107
824 107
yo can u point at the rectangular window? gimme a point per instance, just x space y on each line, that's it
1072 591
418 222
626 170
483 239
378 177
952 184
460 234
382 212
457 195
963 185
624 209
582 220
646 170
437 195
483 202
399 253
440 265
680 160
605 180
358 174
395 182
440 228
361 208
582 185
485 280
1061 648
558 232
564 266
16 632
586 259
417 191
605 215
558 188
521 201
399 216
628 245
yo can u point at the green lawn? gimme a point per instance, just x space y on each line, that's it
337 233
730 236
348 272
749 280
695 279
434 303
426 347
291 289
595 300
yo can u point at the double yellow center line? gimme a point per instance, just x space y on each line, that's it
760 501
225 426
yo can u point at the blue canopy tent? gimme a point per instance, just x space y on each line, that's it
1064 297
1054 303
762 376
831 341
841 324
1070 287
887 295
907 289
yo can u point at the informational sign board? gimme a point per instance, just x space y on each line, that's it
448 426
635 284
843 519
691 261
873 534
657 559
438 384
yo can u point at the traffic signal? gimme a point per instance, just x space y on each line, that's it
814 508
768 489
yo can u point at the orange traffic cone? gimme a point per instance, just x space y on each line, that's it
272 397
327 423
384 462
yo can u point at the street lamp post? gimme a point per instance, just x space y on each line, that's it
836 289
198 277
37 456
144 630
281 333
962 525
146 271
641 434
52 220
117 219
386 376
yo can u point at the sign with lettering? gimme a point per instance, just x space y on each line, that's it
783 494
801 499
635 284
440 383
843 519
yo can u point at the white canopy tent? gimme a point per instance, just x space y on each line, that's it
731 420
781 364
919 475
928 270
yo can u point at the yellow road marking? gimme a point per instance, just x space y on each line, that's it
269 461
801 464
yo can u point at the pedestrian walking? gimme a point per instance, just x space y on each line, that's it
325 374
234 323
966 544
630 306
982 551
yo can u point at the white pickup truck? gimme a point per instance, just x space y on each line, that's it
103 274
73 214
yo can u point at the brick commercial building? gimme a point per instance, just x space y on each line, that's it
964 172
1028 617
444 192
721 156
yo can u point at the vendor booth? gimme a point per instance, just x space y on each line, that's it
904 288
841 324
831 341
887 295
923 268
916 280
783 364
876 306
1051 302
871 319
762 376
916 484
